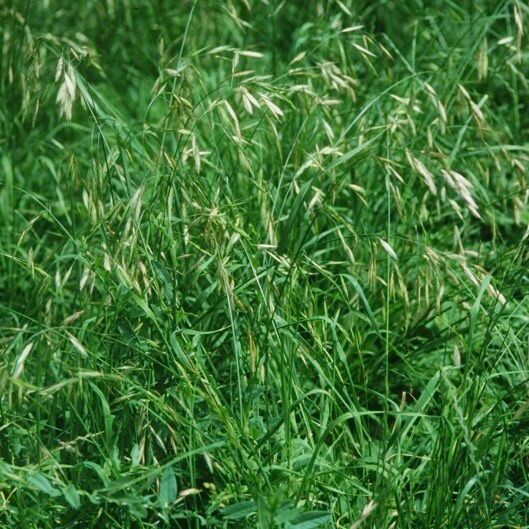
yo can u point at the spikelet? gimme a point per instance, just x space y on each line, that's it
438 105
463 188
234 120
78 346
19 364
470 275
249 102
194 153
366 512
388 249
66 94
476 108
339 81
483 60
477 279
456 356
495 293
420 168
250 53
272 107
189 492
364 51
73 317
84 278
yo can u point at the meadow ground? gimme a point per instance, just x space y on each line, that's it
264 264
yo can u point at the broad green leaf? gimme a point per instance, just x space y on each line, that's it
42 483
100 471
310 520
168 489
135 455
71 495
240 510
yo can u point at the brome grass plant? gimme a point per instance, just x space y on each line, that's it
264 264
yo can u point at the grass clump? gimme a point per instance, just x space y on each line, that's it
263 264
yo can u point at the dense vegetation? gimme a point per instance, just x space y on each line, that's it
264 264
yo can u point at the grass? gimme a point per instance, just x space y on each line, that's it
264 264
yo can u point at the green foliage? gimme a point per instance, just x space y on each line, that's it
264 264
